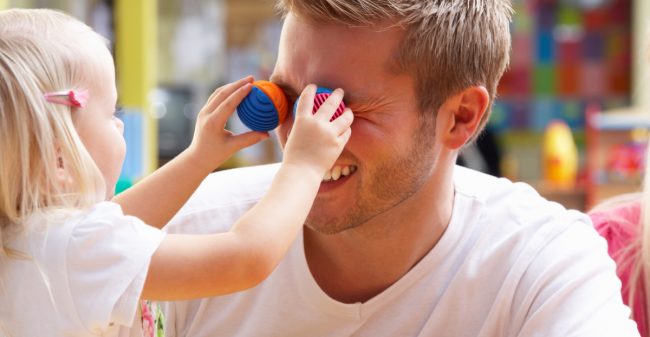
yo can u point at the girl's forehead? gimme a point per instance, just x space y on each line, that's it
98 69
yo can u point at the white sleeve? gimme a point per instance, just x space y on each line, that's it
107 260
571 289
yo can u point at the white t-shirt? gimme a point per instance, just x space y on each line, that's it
509 264
83 277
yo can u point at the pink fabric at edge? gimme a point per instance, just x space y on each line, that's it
620 226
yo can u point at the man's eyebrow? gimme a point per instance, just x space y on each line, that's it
352 97
359 98
355 98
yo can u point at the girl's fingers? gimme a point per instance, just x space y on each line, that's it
229 105
306 100
345 136
225 91
343 122
329 107
248 138
214 93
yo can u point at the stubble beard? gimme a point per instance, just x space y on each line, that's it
391 183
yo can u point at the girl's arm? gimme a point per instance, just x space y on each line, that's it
158 197
191 266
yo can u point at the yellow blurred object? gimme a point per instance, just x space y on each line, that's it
560 155
639 135
136 62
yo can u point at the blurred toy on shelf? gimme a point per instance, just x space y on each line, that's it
616 147
560 155
625 161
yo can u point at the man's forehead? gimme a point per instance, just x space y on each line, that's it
341 61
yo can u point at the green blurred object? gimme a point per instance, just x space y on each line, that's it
544 79
522 24
122 185
569 16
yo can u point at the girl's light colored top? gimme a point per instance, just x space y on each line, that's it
82 276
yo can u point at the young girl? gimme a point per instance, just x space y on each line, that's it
624 221
72 263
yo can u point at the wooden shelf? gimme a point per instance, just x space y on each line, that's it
602 192
622 119
569 197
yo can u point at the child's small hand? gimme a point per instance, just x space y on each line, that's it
212 143
314 141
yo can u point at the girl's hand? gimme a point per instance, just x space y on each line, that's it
212 143
315 142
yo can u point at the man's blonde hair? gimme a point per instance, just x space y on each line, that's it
43 51
449 44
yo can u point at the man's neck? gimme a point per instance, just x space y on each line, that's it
358 264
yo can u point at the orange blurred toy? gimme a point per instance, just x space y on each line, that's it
560 155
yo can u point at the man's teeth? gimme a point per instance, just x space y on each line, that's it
337 172
346 171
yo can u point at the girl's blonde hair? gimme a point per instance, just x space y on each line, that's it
45 168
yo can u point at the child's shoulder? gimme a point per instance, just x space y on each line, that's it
102 211
619 224
106 224
63 222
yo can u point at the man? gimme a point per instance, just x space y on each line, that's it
400 241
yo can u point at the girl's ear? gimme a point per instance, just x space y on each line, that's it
462 115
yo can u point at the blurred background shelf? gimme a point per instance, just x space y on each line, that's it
572 198
568 55
616 152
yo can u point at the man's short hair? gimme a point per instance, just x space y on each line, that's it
449 45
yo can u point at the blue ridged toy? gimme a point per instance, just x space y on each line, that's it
264 108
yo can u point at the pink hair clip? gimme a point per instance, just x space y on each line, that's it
70 98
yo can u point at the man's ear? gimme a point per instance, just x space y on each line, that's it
461 115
